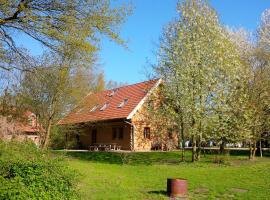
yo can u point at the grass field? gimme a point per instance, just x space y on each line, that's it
143 176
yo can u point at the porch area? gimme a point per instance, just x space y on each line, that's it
109 136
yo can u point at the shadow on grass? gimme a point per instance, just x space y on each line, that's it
101 157
138 158
149 158
159 192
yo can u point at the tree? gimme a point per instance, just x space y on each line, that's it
49 90
200 66
254 108
85 77
69 28
258 109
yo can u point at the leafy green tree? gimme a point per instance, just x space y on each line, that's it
199 64
50 91
259 86
69 28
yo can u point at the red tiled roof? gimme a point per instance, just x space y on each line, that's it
134 93
24 126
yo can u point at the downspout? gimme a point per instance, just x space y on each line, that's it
132 135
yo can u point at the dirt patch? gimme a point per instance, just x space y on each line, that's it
225 196
239 190
201 190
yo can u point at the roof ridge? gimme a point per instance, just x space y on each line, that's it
155 79
91 92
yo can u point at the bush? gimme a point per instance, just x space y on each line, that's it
58 138
29 173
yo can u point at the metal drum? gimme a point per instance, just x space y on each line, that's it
177 187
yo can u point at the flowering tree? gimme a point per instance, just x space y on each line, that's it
200 66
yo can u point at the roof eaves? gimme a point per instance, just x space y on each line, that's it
93 121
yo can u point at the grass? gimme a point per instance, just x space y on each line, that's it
143 175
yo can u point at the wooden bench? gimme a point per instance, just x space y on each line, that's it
105 147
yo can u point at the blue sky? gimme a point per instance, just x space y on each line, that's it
144 27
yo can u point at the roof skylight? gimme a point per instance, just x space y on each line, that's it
112 92
124 102
94 108
80 110
104 106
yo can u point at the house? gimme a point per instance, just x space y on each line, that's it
22 128
118 116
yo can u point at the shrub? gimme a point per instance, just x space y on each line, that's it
58 138
27 172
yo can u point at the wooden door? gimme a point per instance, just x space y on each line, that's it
94 136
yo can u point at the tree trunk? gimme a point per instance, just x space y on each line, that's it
250 151
261 155
182 140
199 150
194 152
66 139
48 133
254 149
222 148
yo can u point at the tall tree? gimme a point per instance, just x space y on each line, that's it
253 106
259 86
51 89
199 64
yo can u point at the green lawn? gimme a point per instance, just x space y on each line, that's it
143 176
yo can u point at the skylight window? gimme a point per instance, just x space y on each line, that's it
80 110
112 92
104 106
94 108
124 102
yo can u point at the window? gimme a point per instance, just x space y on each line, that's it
120 133
114 133
94 108
112 92
80 110
94 136
104 106
124 102
77 138
117 133
146 132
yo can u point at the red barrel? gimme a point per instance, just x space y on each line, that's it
177 187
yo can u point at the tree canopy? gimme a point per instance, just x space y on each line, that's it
69 28
212 82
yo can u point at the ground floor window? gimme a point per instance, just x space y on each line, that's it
117 133
146 132
94 136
